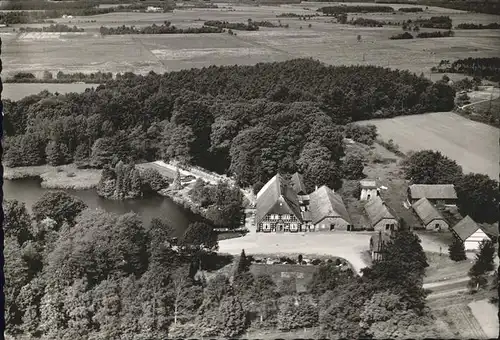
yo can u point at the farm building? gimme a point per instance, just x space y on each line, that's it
277 207
379 215
429 216
435 193
470 233
377 245
368 189
328 211
297 184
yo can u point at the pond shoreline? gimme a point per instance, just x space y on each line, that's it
67 177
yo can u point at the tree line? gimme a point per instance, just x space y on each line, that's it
410 9
488 68
246 121
165 28
332 10
78 272
366 22
443 22
405 35
61 77
472 26
436 34
250 26
52 28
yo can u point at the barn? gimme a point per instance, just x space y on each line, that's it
379 215
328 211
429 216
470 233
435 193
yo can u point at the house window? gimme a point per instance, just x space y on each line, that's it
368 197
437 226
332 226
293 227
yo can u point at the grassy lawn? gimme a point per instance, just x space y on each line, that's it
443 268
60 177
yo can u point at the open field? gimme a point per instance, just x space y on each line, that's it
442 268
472 144
486 315
16 91
329 42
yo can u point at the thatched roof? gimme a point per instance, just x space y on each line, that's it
326 203
377 210
490 229
277 198
426 211
465 228
433 191
297 184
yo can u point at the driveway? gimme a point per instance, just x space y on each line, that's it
347 245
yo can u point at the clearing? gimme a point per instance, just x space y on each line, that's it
487 316
472 144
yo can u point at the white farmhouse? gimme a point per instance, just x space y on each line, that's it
368 189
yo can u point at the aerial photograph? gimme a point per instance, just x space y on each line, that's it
250 169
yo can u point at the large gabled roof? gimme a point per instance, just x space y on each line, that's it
278 197
297 184
376 210
426 211
326 203
465 228
433 191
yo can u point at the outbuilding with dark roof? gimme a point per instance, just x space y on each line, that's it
429 216
470 233
328 211
380 216
435 193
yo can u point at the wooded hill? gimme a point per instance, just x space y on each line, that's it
248 121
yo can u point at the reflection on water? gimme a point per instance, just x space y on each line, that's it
29 191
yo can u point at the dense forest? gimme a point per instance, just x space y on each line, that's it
472 26
442 22
165 28
247 121
332 10
75 273
52 28
488 68
436 34
250 26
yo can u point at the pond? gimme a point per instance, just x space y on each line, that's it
29 191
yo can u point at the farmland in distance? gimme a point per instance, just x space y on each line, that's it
326 40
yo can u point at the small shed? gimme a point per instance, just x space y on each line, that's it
470 233
429 216
379 215
368 189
